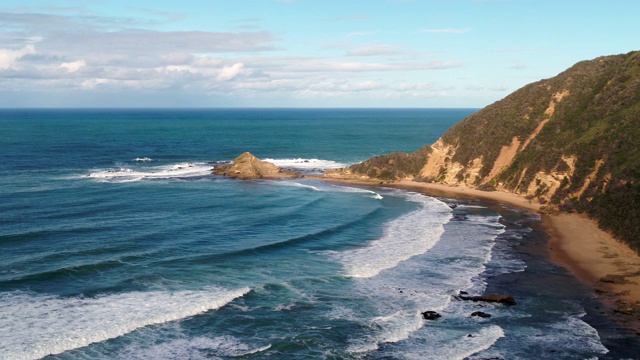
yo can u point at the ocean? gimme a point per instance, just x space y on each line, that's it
117 242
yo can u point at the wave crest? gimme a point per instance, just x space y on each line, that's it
44 325
407 236
180 170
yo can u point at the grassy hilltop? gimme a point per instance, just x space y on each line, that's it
571 142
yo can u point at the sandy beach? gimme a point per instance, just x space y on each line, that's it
610 267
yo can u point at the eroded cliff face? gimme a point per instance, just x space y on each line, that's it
442 167
570 141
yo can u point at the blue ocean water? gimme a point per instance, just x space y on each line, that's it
117 242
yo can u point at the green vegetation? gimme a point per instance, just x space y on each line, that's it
394 166
593 116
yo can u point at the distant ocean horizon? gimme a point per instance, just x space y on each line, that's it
117 242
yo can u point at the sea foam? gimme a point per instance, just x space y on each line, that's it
306 164
455 347
407 236
192 348
125 174
427 282
43 325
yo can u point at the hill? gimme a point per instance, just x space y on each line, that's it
570 142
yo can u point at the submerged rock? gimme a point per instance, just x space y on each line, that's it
497 298
481 314
247 166
430 315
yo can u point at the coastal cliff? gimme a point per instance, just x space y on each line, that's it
569 142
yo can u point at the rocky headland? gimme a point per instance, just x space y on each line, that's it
567 147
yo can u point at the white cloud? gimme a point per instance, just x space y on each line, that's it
206 61
73 66
129 57
360 33
229 72
92 83
176 68
373 50
364 86
9 57
413 87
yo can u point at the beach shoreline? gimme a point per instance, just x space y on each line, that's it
593 256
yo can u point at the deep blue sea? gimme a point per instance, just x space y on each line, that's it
116 242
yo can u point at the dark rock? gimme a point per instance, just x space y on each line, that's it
481 314
614 279
497 298
459 216
430 315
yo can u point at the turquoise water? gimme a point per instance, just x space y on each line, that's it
117 242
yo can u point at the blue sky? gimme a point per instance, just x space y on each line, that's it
297 53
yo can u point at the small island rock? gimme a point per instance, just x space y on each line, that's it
247 166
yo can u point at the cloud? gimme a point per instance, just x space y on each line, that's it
365 86
106 35
323 66
92 83
415 87
360 33
9 57
132 42
73 66
373 50
446 31
229 72
89 54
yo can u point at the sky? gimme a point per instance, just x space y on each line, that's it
297 53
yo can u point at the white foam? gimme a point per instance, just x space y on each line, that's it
460 348
35 326
391 328
426 282
194 348
142 159
179 170
350 189
306 164
297 184
330 188
573 330
407 236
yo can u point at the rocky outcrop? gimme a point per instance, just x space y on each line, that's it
480 314
247 166
491 298
430 315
